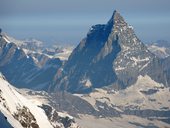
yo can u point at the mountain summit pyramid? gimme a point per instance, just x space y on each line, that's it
110 55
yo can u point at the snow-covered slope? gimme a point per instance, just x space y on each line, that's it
144 94
7 120
14 105
144 104
21 112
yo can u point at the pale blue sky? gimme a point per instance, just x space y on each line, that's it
69 21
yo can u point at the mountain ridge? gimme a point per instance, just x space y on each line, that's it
23 70
111 54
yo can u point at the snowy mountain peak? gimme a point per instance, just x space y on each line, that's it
116 18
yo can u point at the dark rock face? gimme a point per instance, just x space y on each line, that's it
151 114
87 64
149 92
53 116
166 71
25 117
22 70
111 54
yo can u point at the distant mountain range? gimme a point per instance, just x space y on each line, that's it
24 70
32 46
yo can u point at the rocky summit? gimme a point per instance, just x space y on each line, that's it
110 55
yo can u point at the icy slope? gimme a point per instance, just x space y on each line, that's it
12 103
30 112
43 100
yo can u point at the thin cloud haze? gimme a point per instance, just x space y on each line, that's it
69 21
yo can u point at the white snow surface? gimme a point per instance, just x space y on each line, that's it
13 99
138 60
42 97
35 99
120 68
10 119
6 40
11 39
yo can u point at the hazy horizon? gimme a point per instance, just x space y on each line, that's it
68 22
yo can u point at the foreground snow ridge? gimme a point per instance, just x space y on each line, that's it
16 111
13 105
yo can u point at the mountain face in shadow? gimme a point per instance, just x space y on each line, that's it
110 55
